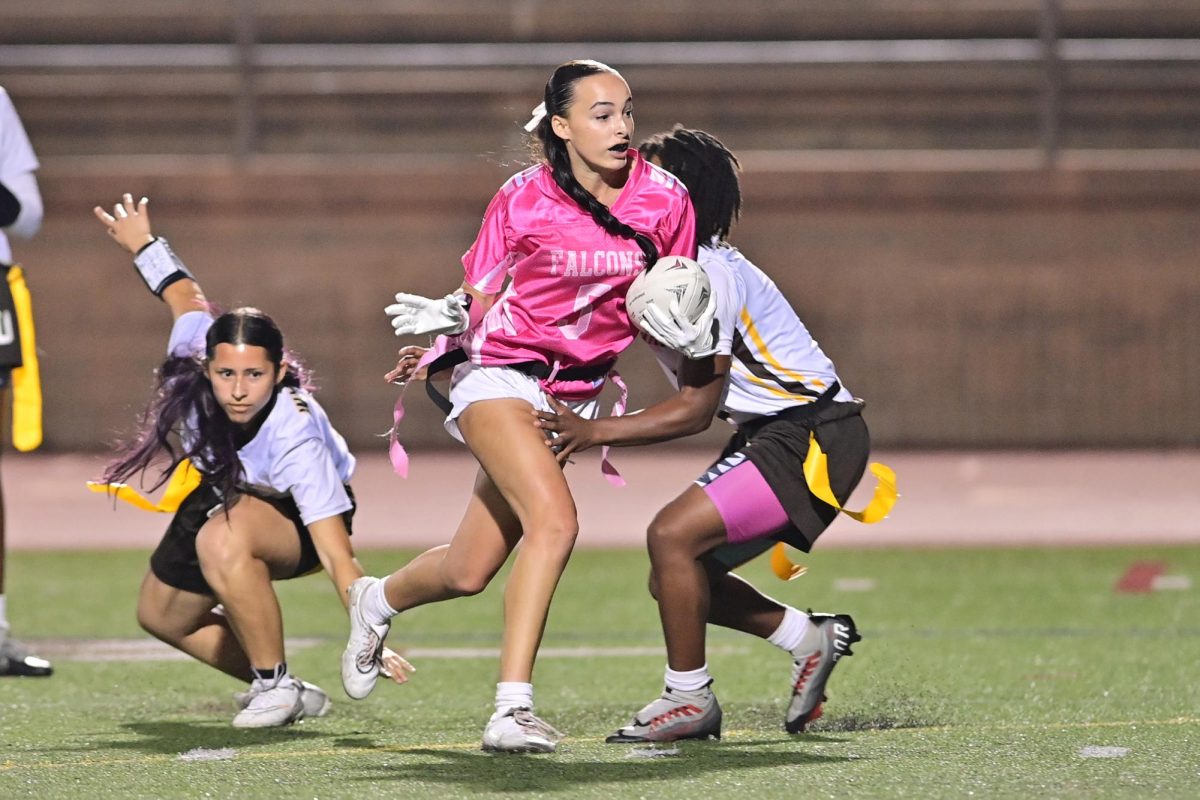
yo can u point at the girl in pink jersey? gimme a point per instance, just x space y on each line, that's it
541 314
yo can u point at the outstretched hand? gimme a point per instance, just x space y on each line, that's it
571 432
394 665
406 366
128 224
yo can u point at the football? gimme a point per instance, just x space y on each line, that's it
672 278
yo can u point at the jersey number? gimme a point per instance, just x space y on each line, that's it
576 323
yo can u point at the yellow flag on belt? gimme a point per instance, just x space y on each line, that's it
816 473
183 482
26 379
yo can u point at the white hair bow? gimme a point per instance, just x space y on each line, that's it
539 113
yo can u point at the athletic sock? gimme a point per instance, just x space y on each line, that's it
791 631
3 620
270 677
512 694
688 680
374 605
795 632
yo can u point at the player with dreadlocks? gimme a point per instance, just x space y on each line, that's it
765 374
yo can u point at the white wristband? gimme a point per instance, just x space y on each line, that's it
159 266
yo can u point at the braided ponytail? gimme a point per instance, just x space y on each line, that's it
560 91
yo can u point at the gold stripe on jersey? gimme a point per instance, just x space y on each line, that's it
769 387
752 330
745 357
752 367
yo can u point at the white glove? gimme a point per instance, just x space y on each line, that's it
674 330
413 314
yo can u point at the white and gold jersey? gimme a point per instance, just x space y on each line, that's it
17 166
296 452
776 362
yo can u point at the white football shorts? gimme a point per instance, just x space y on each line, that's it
471 383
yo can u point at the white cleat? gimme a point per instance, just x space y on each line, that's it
360 659
272 706
519 731
316 700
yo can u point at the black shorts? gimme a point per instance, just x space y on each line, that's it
777 446
174 561
10 330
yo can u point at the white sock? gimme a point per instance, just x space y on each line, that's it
3 612
374 604
791 632
512 694
688 681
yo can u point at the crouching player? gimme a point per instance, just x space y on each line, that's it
271 498
764 373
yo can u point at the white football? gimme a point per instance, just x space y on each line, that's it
671 278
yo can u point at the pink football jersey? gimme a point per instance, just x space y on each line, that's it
566 276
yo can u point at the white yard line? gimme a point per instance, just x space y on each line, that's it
129 650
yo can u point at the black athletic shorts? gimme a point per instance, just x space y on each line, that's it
10 331
778 445
174 561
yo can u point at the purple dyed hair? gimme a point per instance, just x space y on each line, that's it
183 398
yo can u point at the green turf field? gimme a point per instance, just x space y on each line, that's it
982 673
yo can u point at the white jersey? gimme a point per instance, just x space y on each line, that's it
296 452
776 362
17 165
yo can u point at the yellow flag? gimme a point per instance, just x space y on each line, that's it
816 473
183 482
26 379
782 566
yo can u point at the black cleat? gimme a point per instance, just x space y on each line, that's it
15 660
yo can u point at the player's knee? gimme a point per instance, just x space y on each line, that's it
147 620
667 538
466 583
552 539
218 548
153 621
652 584
555 534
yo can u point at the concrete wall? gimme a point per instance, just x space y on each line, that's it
976 302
